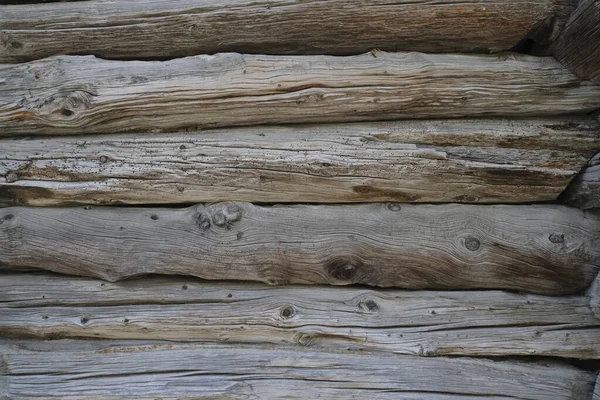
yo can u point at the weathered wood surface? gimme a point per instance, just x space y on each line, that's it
487 161
542 249
596 395
162 28
101 370
594 295
485 323
584 191
577 47
74 95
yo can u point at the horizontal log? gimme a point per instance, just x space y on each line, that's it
75 95
100 370
486 323
584 191
577 45
487 161
159 28
540 249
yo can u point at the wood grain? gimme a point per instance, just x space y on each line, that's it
75 95
471 323
584 190
486 161
541 249
161 28
101 370
577 46
593 293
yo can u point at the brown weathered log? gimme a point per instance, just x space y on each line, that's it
471 323
541 249
74 95
162 28
103 370
578 45
487 161
584 191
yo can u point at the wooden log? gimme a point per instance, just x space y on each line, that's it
584 191
74 95
594 295
487 161
540 249
486 323
577 45
100 370
159 28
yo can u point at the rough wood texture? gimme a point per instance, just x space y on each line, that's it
542 249
74 95
584 191
596 395
162 28
578 46
594 295
99 370
487 323
487 161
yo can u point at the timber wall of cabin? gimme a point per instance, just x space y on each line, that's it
335 199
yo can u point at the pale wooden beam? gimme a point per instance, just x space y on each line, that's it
426 323
543 249
479 160
124 370
75 95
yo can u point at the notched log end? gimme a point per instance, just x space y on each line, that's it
593 293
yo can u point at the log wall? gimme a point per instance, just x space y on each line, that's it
117 118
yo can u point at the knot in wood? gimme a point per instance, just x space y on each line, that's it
370 305
225 214
287 312
395 207
304 339
472 243
556 238
342 269
203 221
310 99
9 43
65 105
7 217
